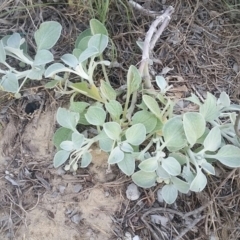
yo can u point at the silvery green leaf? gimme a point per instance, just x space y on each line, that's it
158 127
133 79
114 108
36 72
67 146
51 84
202 138
127 165
171 165
187 174
85 33
67 119
43 57
14 40
82 45
182 159
2 53
70 60
199 182
208 168
105 143
99 41
169 193
62 134
78 107
181 186
107 91
126 147
116 155
112 129
152 105
10 83
136 134
97 27
86 159
173 134
194 126
228 155
88 53
224 99
77 52
47 35
144 179
60 158
209 109
140 44
95 116
149 165
53 69
161 82
213 140
194 99
162 173
147 118
77 140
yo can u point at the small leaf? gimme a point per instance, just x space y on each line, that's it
51 84
169 193
213 140
112 129
181 186
99 41
208 168
36 72
47 35
67 119
43 57
67 146
133 80
209 109
78 107
60 158
224 99
125 147
146 118
107 91
62 134
86 159
140 44
228 155
116 155
2 53
77 140
85 33
53 69
14 40
194 99
144 179
97 27
199 182
105 143
162 174
161 82
182 159
194 126
136 134
114 108
149 165
127 165
87 90
152 105
10 83
171 165
95 116
88 53
70 60
174 134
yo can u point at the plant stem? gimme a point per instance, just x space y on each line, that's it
104 70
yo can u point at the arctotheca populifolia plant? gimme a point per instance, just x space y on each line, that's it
148 141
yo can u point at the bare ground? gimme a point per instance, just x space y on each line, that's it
201 47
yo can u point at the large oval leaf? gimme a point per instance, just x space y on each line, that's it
114 108
149 165
180 185
99 41
95 116
112 129
199 182
47 35
86 159
60 158
67 119
136 134
173 133
171 165
213 140
97 27
116 155
169 193
127 165
144 179
194 126
152 105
